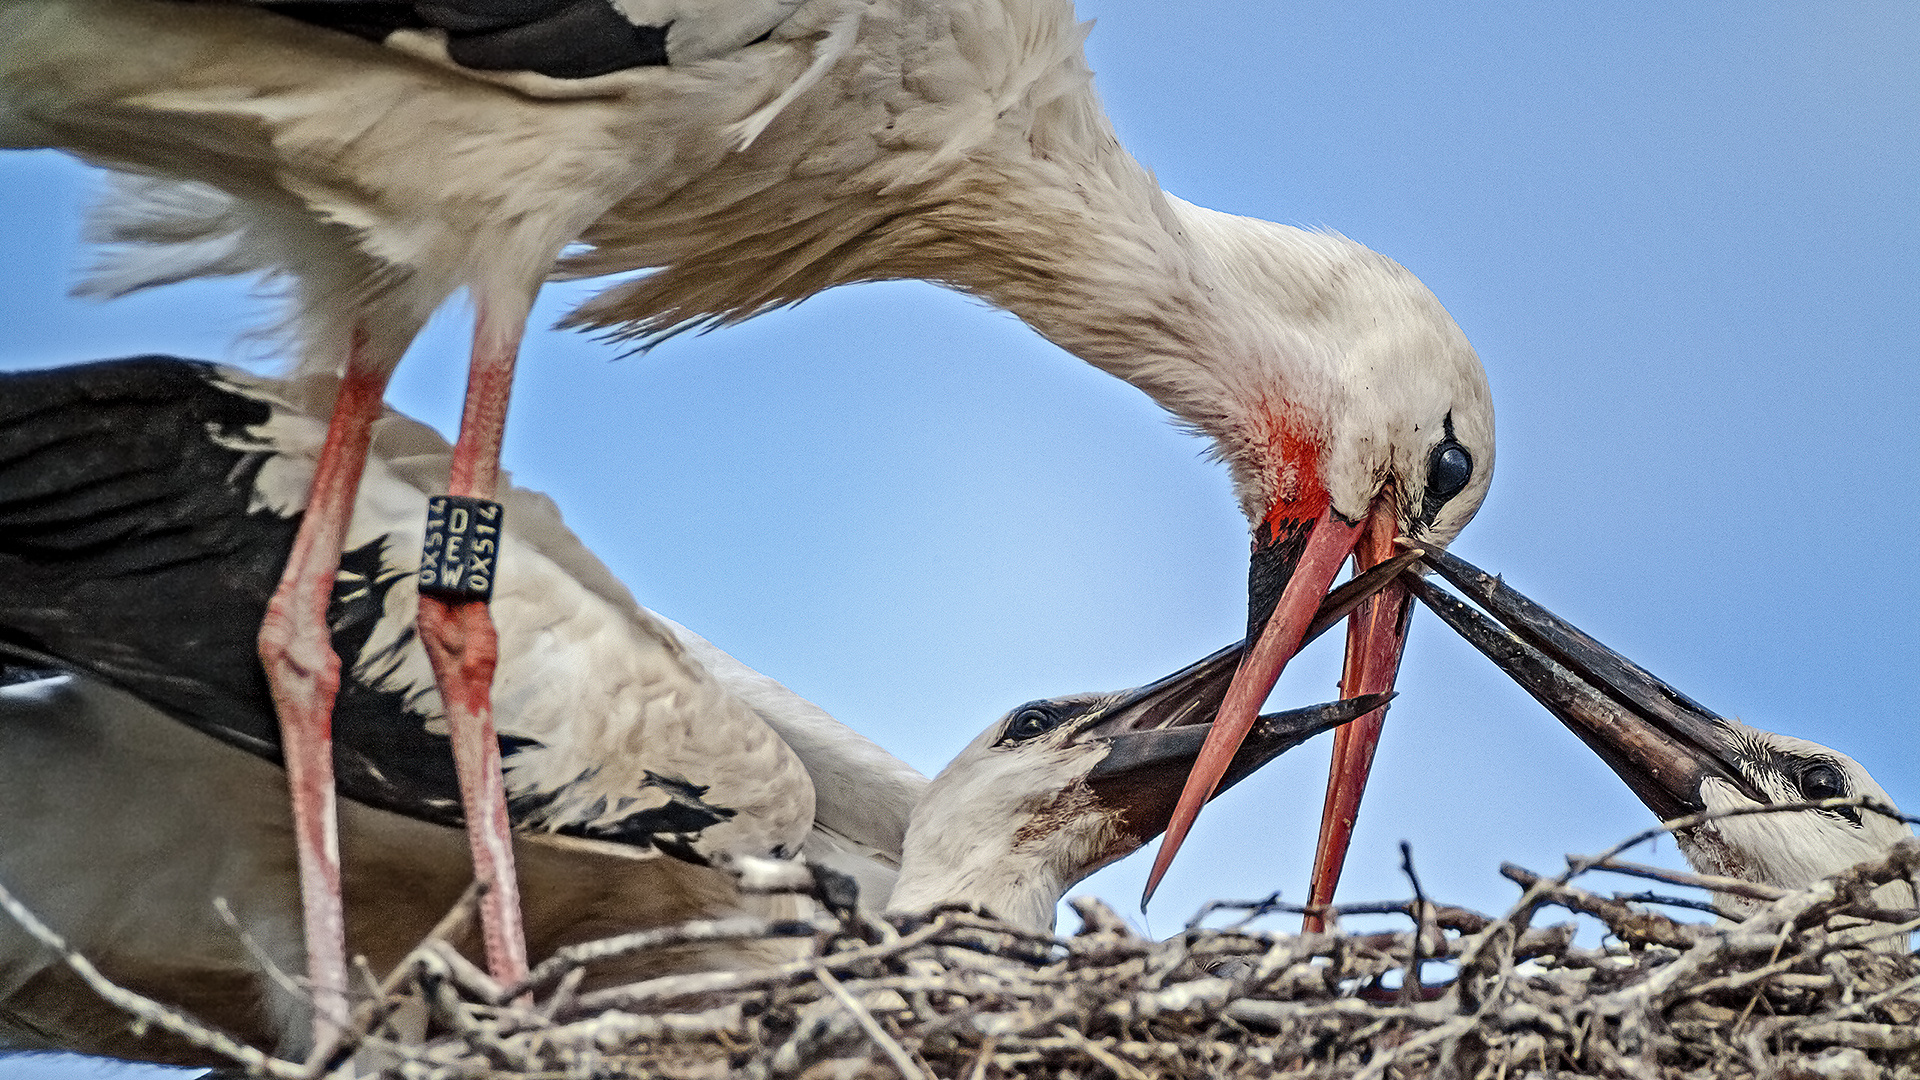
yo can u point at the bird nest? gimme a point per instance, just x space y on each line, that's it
1813 983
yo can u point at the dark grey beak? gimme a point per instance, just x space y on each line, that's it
1662 743
1154 734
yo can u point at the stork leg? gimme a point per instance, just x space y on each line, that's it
460 640
303 675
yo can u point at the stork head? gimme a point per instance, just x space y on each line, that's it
1060 787
1677 756
1352 412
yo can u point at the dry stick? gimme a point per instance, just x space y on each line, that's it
563 994
1453 1028
1577 867
901 1059
1625 922
293 987
1759 929
1273 905
1752 890
1842 1011
642 995
1650 897
144 1008
988 1047
1410 988
705 930
1869 933
1502 1006
1113 1062
1773 966
374 1012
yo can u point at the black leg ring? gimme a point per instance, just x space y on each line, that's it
462 548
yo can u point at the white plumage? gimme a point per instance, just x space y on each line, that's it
959 143
105 780
599 699
377 181
598 682
127 832
1793 850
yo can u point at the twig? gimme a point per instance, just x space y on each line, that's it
886 1042
1410 987
1114 1064
1668 901
375 1011
145 1009
1625 922
293 987
1731 886
644 995
984 1058
705 930
1579 866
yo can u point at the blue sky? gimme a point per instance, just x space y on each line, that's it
1683 239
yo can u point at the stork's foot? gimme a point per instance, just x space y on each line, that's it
460 640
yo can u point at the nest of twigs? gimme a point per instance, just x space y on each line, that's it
1814 983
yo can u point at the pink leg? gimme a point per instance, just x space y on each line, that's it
303 675
460 640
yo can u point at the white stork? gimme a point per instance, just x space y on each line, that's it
378 181
1679 757
755 154
147 502
107 782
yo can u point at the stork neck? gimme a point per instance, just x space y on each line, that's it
1022 894
1087 250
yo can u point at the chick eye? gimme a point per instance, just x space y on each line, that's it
1822 781
1448 470
1031 720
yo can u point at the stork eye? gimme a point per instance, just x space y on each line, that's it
1822 781
1448 470
1031 720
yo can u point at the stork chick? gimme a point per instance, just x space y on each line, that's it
1679 757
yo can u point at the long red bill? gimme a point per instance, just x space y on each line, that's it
1376 637
1322 550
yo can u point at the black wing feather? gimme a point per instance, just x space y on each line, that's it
562 39
130 553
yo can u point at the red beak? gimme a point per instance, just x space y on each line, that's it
1303 554
1376 636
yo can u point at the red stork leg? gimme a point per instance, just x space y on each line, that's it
303 675
457 630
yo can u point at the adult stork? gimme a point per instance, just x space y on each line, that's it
378 181
109 787
1679 757
776 150
147 504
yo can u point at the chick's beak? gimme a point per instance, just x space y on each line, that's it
1656 739
1154 735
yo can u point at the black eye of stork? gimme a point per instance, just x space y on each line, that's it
1448 470
1031 720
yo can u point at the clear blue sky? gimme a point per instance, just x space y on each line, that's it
1683 238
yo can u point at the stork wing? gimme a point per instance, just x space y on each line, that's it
147 507
563 39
